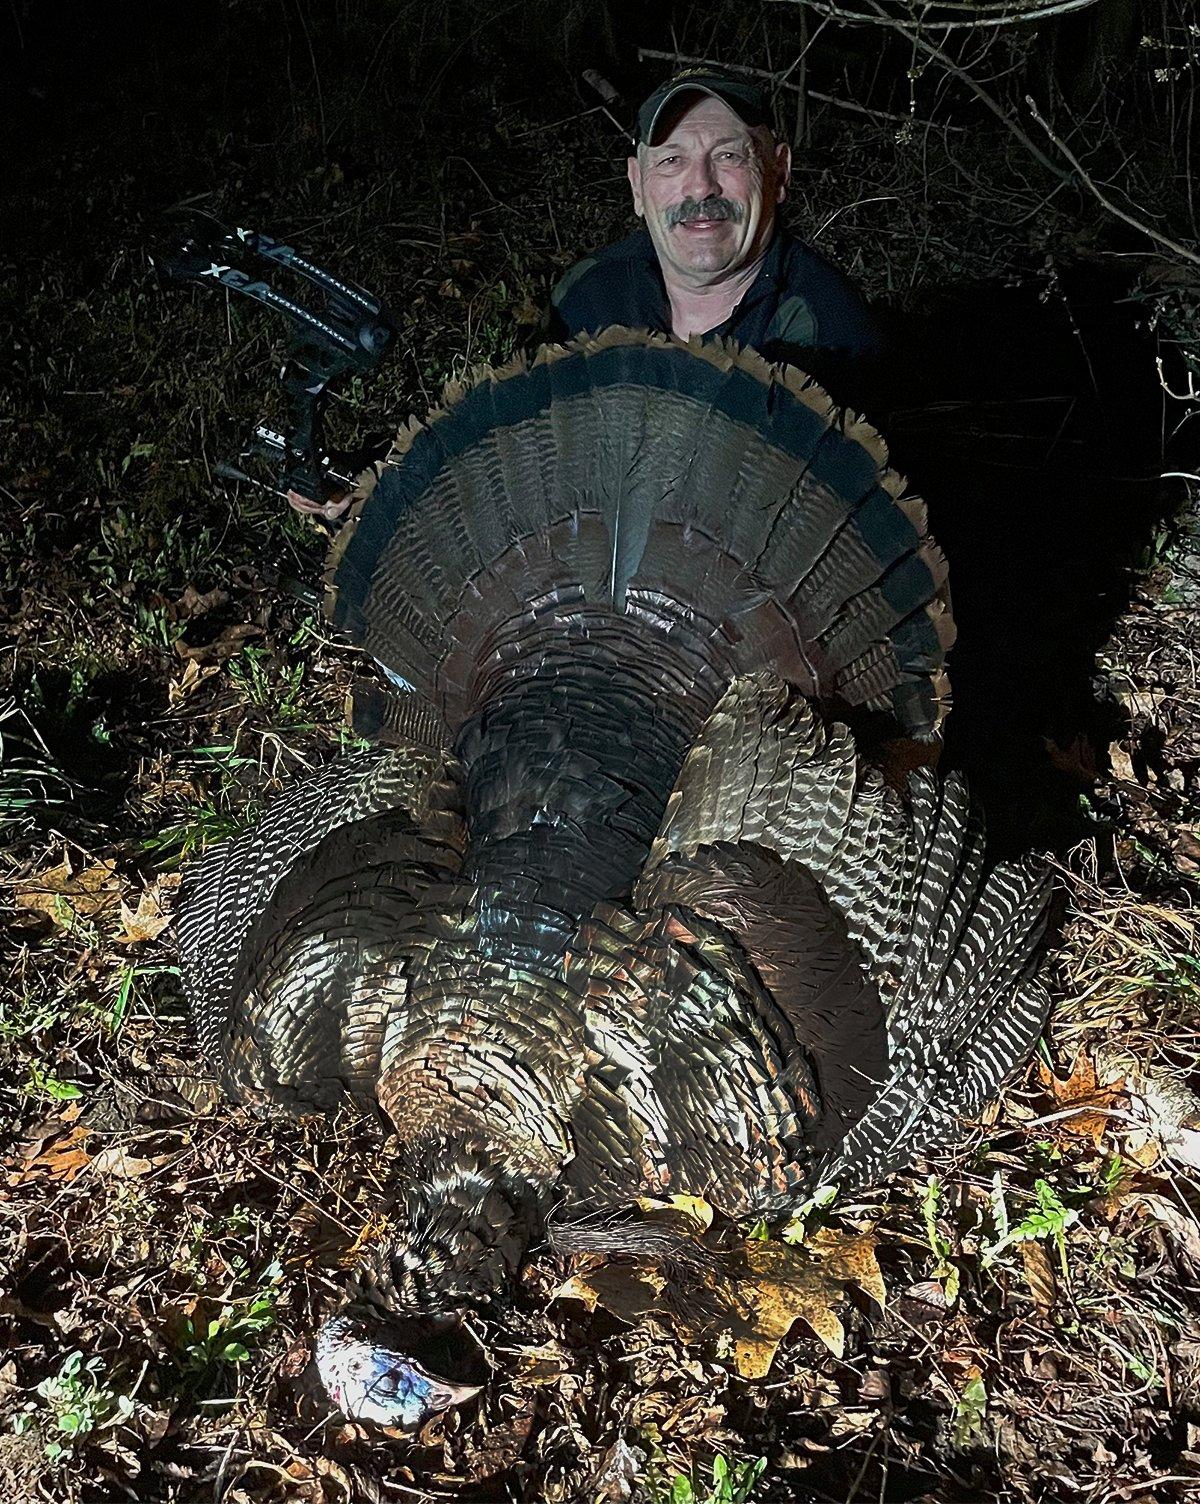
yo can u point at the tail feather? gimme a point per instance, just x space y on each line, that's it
764 771
264 888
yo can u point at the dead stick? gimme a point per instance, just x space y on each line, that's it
924 45
1002 15
784 83
1102 198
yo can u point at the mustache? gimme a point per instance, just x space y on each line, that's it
712 207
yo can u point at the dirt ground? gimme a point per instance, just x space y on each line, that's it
165 669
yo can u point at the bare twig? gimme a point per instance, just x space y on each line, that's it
782 82
1104 201
922 44
981 16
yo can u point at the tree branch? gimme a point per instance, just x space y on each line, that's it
782 83
981 15
922 44
1102 198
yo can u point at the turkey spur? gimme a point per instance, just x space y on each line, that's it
617 906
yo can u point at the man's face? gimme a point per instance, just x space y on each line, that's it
707 190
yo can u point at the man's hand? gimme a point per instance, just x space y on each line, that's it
331 509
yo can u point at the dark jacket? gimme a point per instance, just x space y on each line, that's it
800 308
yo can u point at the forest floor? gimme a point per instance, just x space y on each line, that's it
166 670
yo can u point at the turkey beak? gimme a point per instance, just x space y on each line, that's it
444 1395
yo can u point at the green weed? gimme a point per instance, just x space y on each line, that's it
1050 1219
205 1344
266 683
728 1482
127 986
22 1016
223 811
80 1401
943 1268
42 1084
970 1411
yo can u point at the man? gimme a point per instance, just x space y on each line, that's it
711 259
707 177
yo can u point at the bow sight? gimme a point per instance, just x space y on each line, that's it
351 331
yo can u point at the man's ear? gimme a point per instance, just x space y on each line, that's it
634 169
783 169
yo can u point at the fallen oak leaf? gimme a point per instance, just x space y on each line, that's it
626 1291
60 1159
65 895
147 922
193 676
755 1294
778 1284
1089 1104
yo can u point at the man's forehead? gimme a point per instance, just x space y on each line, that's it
700 113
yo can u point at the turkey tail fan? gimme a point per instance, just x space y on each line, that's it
956 948
725 506
288 932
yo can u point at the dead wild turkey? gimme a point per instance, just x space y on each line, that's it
618 910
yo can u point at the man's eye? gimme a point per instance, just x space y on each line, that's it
667 161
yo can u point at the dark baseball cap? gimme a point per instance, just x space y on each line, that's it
747 100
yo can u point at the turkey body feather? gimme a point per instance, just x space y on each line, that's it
623 906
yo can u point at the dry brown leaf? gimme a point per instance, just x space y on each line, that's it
689 1214
624 1290
1121 763
759 1291
65 895
230 641
782 1284
1088 1100
1187 849
1184 1230
146 923
1039 1275
195 602
1145 1155
193 676
540 1366
56 1159
114 1160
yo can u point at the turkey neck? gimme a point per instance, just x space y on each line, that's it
570 762
464 1230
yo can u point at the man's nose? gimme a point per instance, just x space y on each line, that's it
701 180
